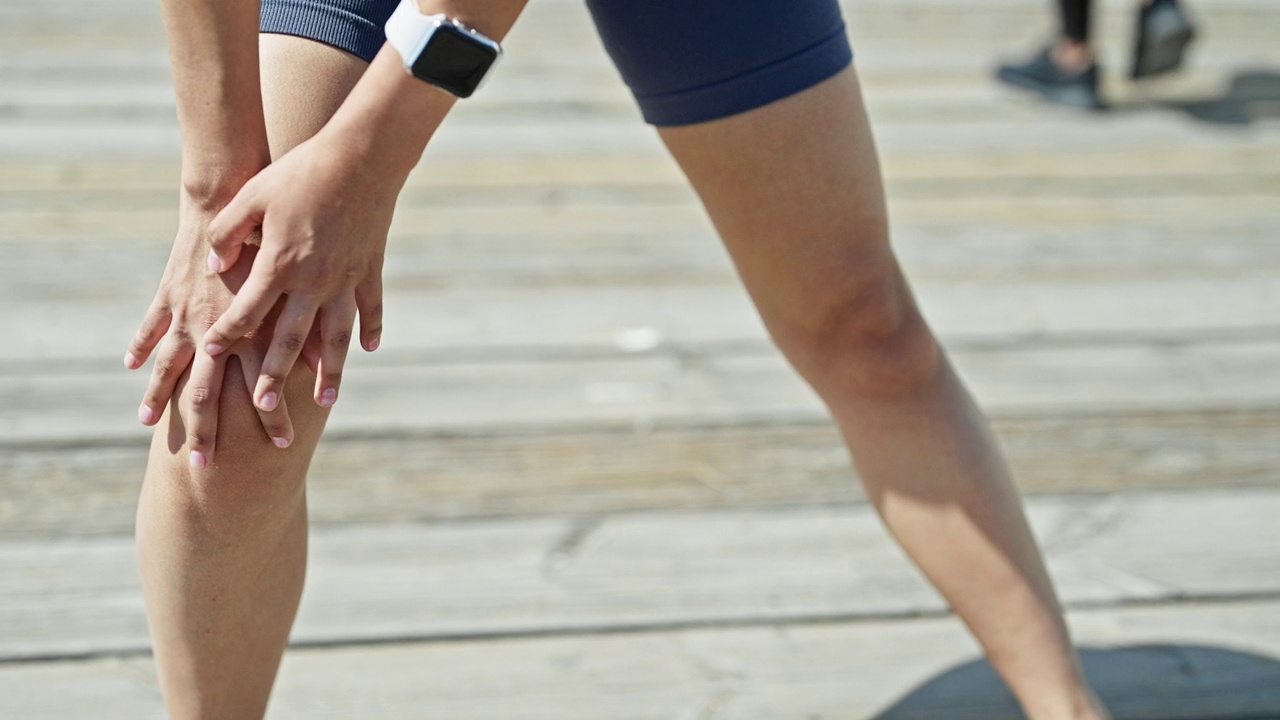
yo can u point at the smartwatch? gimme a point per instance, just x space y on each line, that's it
440 50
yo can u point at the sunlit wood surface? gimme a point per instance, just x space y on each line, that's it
577 481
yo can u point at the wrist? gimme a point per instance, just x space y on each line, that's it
387 119
211 185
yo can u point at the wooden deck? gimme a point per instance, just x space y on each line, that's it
578 481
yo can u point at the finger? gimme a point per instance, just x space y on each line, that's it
203 390
336 321
275 422
230 228
369 303
154 325
286 343
245 313
174 357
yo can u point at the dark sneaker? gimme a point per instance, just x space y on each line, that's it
1161 37
1042 75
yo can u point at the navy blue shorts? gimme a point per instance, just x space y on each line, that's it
686 61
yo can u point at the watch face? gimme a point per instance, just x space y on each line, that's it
454 60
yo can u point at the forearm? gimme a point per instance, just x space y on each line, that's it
213 50
390 115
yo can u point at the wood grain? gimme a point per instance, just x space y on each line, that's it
585 574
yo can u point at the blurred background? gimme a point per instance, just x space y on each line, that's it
577 481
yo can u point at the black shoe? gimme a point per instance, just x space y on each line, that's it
1042 75
1161 36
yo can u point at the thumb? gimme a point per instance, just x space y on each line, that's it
233 225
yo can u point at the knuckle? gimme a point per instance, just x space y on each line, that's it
180 335
340 340
240 322
281 263
164 367
201 398
199 439
333 378
290 342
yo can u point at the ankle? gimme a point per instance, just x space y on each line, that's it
1082 707
1072 55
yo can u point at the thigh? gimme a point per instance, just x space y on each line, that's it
794 190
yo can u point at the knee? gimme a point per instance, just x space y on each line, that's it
248 474
862 336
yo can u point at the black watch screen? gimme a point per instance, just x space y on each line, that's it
454 61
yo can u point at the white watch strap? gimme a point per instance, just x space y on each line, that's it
407 29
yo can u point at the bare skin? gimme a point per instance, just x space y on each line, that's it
222 549
1072 55
793 188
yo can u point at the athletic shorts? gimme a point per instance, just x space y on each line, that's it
686 61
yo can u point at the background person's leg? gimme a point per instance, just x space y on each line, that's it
223 550
1065 71
794 190
1075 15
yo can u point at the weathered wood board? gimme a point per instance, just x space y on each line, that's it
92 490
1185 662
670 390
556 575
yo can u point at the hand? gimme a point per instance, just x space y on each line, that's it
324 215
189 298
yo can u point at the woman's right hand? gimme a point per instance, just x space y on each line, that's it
190 298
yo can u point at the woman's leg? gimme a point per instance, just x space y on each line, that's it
223 550
794 190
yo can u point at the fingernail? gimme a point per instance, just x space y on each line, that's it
215 263
269 401
281 442
146 415
373 343
199 460
131 361
213 348
328 397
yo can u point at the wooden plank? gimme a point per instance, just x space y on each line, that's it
92 490
560 130
683 314
667 389
893 671
617 169
571 186
555 574
1252 211
1185 662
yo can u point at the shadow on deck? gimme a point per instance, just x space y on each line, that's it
1137 682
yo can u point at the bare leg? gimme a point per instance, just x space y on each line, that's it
794 189
223 550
